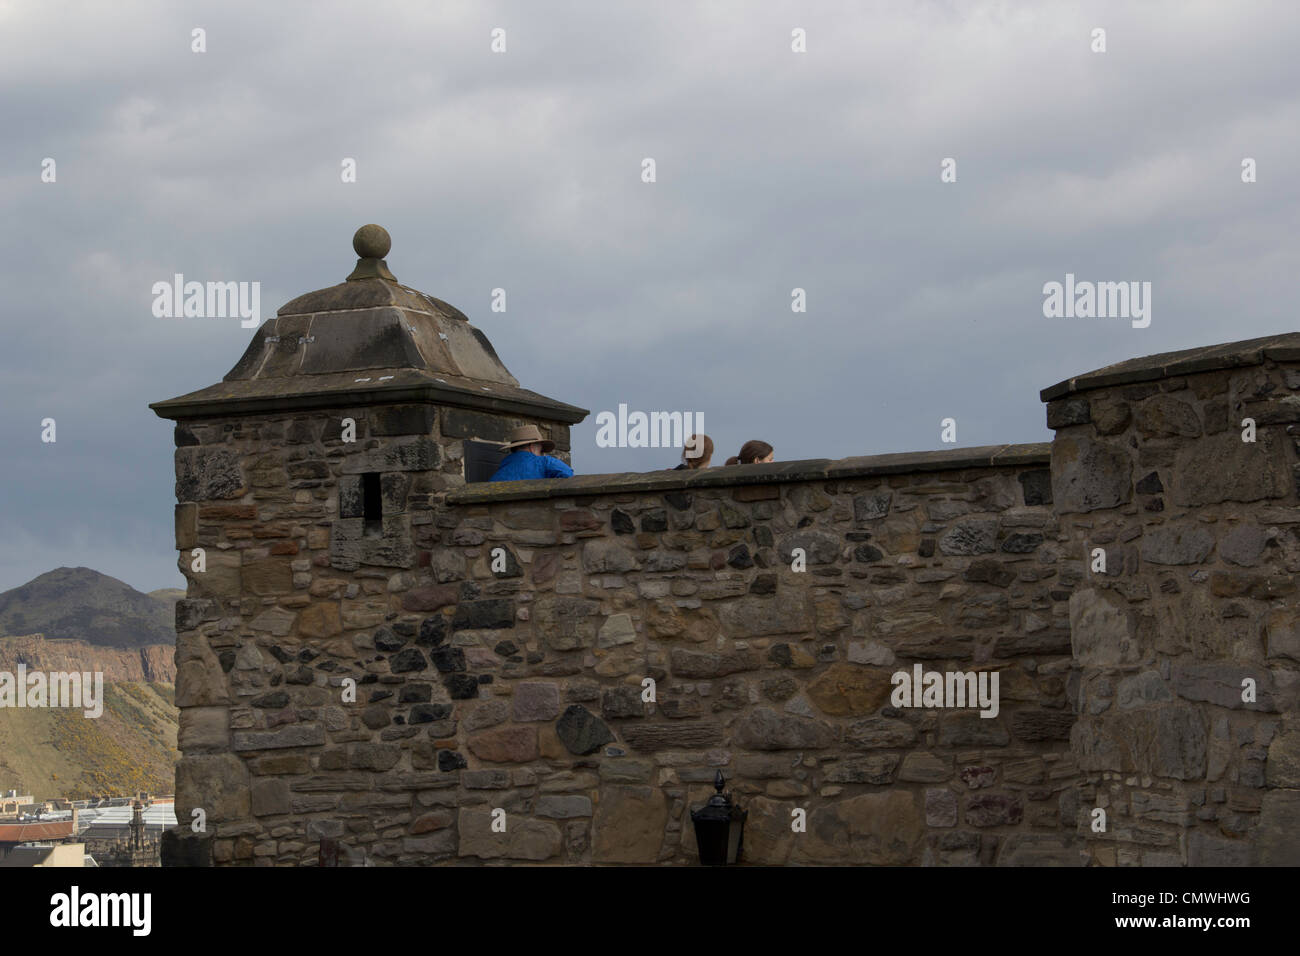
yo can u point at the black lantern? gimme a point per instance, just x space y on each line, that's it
719 828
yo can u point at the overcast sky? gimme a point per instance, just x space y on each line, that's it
522 170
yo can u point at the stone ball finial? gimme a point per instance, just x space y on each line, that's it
372 242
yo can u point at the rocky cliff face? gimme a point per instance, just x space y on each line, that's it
154 663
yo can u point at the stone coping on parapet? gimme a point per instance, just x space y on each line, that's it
813 469
1208 358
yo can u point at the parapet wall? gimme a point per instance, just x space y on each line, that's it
500 639
777 673
1188 642
520 688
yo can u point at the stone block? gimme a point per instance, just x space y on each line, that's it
678 735
1088 475
1068 411
1169 740
208 474
616 631
765 729
1277 838
1164 416
536 700
1282 634
565 623
267 577
972 730
629 825
217 783
378 757
607 556
875 829
708 665
276 621
1141 690
994 809
1212 849
924 767
187 526
874 769
203 730
1224 468
818 548
789 613
940 808
768 837
849 689
1033 725
523 839
494 614
1036 486
1282 769
269 796
562 807
417 453
581 731
620 702
1222 684
879 732
1177 544
200 681
1101 629
1243 545
402 419
1039 850
320 619
505 744
972 536
294 735
871 507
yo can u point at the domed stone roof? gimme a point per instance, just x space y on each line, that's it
367 340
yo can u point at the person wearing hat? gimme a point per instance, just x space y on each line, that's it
527 458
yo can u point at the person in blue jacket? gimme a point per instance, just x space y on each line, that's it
527 458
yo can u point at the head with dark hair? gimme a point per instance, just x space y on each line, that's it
697 451
752 452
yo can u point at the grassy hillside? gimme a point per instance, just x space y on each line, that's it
58 752
91 622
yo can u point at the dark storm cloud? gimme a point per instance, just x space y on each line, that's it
521 171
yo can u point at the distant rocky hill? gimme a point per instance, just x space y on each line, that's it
76 619
83 605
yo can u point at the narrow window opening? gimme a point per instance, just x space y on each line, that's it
372 503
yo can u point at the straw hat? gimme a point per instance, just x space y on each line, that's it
527 435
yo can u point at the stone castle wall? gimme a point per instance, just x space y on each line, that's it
1200 532
519 687
778 677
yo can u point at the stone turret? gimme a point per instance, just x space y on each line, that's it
306 482
371 341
